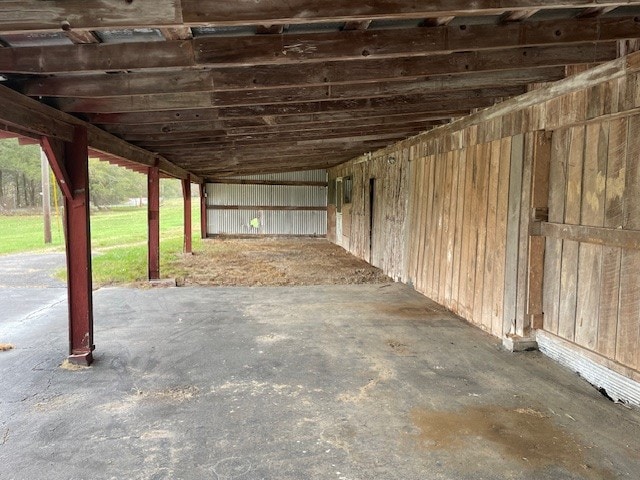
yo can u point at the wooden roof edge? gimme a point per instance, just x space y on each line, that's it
35 118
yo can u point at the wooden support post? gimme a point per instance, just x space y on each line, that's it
510 326
539 212
528 200
153 215
186 194
78 243
203 210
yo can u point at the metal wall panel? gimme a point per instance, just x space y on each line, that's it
256 221
271 222
266 195
303 176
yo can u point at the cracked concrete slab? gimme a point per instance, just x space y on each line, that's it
347 382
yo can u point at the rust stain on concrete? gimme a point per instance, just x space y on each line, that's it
523 434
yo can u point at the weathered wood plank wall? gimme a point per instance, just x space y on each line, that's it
599 281
390 205
455 215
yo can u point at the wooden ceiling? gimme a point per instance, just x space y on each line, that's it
250 86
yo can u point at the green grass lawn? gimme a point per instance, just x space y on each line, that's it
118 240
22 233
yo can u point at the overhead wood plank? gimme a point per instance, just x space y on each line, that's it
29 15
298 11
298 140
97 57
371 44
370 71
179 134
222 100
206 143
172 118
400 104
186 82
311 48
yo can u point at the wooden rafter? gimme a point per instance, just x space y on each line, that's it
297 11
312 48
439 77
216 88
48 15
41 120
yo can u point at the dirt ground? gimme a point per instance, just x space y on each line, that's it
273 261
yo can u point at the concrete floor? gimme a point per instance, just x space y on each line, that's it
340 382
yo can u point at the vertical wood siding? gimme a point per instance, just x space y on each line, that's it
592 291
453 218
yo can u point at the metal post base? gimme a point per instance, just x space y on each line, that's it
84 359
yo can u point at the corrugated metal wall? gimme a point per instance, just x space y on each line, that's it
274 205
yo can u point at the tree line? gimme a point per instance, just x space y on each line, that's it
21 180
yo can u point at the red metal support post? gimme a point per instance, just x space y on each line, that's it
186 194
203 211
78 244
153 215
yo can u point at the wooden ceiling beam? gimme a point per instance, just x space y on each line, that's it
64 87
212 115
382 120
199 136
439 101
330 73
242 12
351 109
31 116
293 124
231 136
311 48
273 145
289 149
284 150
244 99
38 15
